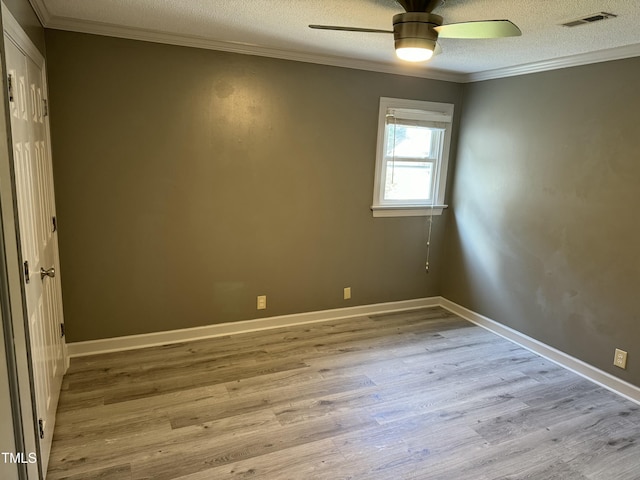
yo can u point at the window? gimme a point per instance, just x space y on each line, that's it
412 156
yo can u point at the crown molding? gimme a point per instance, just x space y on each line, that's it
618 53
42 12
97 28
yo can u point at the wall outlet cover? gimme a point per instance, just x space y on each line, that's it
620 358
262 302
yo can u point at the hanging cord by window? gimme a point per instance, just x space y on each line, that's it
434 180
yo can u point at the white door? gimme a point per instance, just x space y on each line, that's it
36 215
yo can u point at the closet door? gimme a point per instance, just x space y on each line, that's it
38 236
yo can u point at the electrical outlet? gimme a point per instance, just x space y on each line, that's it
262 302
347 293
620 358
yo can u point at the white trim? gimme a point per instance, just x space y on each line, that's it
92 347
618 53
597 376
406 210
42 12
438 111
18 36
131 33
131 342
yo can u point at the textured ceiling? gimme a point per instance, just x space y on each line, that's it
282 26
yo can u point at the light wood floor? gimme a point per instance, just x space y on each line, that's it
418 395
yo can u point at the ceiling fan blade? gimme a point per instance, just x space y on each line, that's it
481 29
349 29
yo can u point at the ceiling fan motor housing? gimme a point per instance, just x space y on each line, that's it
416 30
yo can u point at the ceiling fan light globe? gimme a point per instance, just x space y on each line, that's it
414 54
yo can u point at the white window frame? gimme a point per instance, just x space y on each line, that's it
439 112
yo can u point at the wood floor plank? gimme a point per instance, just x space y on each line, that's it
420 394
268 399
275 381
119 472
158 405
407 449
200 456
317 460
158 385
178 445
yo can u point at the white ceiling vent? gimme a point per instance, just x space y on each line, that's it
595 17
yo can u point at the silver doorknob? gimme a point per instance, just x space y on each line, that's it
50 272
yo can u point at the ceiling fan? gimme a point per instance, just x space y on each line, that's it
416 31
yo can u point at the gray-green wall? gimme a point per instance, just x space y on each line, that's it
544 233
190 181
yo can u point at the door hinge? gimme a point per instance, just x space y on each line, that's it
45 107
62 330
10 86
41 428
26 272
54 222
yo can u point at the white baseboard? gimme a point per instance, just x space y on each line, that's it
600 377
130 342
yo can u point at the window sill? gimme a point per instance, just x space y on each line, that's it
407 210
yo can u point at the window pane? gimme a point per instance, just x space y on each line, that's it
408 180
409 141
411 156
